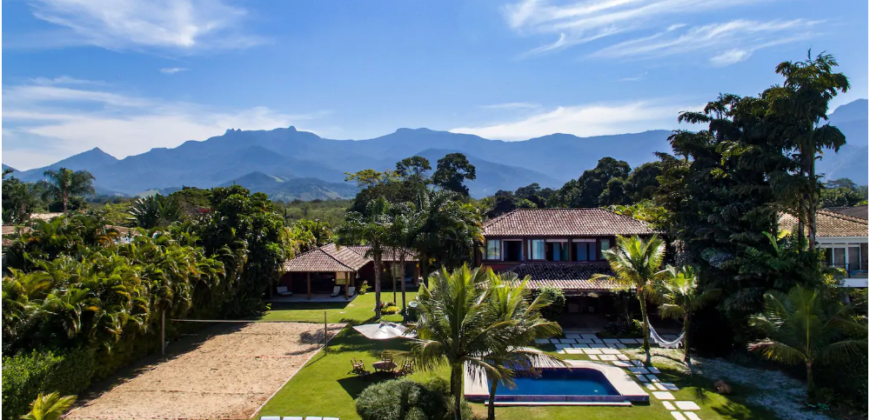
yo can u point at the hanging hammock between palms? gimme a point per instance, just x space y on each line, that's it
656 338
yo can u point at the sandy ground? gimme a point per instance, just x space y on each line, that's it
228 375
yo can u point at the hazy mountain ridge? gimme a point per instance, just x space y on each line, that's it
293 156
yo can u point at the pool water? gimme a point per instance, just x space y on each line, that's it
561 381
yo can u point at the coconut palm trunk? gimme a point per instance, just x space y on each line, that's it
378 268
490 411
402 279
642 299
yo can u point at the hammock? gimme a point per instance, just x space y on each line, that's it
656 338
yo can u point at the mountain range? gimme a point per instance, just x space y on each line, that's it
288 164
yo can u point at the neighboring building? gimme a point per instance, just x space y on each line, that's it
857 211
844 240
559 248
319 270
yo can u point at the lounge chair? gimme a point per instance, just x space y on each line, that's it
359 368
351 291
406 369
283 291
335 291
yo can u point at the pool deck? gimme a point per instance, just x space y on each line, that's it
628 389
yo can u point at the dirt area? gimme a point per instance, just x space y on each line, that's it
223 372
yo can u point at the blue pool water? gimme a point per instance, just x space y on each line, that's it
560 381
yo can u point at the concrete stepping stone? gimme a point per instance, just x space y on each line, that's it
574 336
611 340
653 369
692 416
607 357
542 341
652 378
589 336
597 346
618 345
563 346
574 351
667 386
687 405
641 378
638 370
637 363
581 346
668 405
593 357
627 341
651 387
610 351
567 341
597 340
622 357
592 351
585 340
554 340
621 363
663 395
678 415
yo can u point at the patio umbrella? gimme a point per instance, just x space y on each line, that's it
383 331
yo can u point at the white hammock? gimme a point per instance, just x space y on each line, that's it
656 338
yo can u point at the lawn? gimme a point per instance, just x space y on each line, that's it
324 387
358 310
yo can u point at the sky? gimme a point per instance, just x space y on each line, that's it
131 75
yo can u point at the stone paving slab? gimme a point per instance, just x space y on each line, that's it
585 340
652 378
637 363
607 357
593 357
589 336
610 351
542 341
641 378
653 369
574 351
563 346
692 416
677 415
621 363
554 340
622 357
592 351
687 405
663 395
638 370
573 335
667 386
618 345
630 341
611 340
567 341
668 405
581 346
651 387
597 346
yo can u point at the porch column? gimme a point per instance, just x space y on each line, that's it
417 274
570 248
308 280
346 285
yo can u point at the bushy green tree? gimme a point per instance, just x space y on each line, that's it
452 172
63 183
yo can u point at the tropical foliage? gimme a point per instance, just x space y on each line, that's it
62 183
49 407
679 297
803 328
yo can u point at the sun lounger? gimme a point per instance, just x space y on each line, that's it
351 291
335 291
283 291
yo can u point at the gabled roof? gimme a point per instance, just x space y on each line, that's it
566 276
326 258
828 224
390 254
564 222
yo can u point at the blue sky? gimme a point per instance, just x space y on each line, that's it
130 75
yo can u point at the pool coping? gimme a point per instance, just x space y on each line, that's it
628 389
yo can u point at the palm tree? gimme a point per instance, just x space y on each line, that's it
402 237
802 327
63 182
373 228
446 229
679 296
636 263
523 323
456 327
48 407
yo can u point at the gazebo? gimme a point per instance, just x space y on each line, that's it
344 262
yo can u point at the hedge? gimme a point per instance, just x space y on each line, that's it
26 375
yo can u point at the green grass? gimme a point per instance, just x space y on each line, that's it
359 310
325 387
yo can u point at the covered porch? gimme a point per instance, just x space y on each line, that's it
327 272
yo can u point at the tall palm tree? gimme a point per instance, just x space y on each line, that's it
63 182
447 229
802 327
49 407
679 297
636 263
456 327
523 323
373 228
402 237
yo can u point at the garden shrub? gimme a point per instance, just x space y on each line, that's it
390 310
27 375
403 399
556 308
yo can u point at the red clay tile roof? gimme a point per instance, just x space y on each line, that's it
390 254
829 224
564 222
566 276
326 258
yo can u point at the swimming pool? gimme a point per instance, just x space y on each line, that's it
580 383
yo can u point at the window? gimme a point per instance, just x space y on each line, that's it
538 249
850 257
493 249
605 244
582 250
557 251
513 250
854 258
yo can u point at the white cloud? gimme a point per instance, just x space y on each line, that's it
732 41
635 78
64 80
586 20
512 105
45 123
172 70
182 25
587 120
